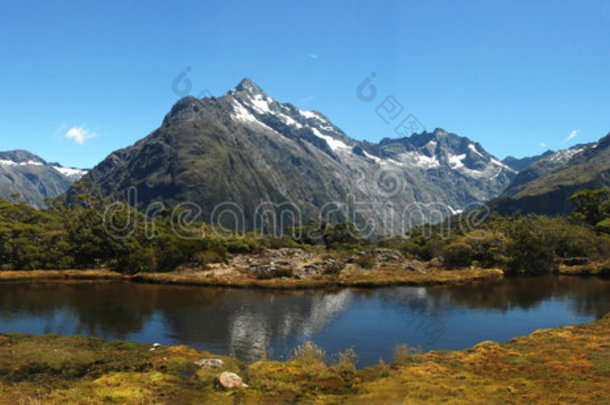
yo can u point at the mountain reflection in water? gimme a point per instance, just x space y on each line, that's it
250 322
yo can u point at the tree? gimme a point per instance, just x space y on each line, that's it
344 235
592 206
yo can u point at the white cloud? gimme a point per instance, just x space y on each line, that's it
313 55
80 134
543 144
571 136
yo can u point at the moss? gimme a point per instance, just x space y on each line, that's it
563 365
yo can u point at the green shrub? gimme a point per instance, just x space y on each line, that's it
142 260
530 254
206 257
458 254
366 261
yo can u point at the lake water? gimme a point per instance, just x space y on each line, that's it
246 322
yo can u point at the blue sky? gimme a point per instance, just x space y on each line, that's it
79 79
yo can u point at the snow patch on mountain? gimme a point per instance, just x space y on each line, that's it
564 155
70 172
310 115
419 160
498 163
289 120
243 115
374 158
261 103
474 149
456 161
333 143
5 162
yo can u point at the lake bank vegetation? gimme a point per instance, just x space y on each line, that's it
77 237
569 364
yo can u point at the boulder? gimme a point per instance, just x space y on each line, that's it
415 266
387 255
229 381
209 363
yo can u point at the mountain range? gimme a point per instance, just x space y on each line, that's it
29 178
244 150
544 186
244 160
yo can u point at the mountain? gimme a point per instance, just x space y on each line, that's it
245 149
34 179
545 185
520 164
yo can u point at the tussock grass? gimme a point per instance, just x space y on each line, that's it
563 365
350 276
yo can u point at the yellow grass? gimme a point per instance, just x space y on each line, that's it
564 365
351 277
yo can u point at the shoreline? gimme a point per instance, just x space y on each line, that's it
376 278
565 364
592 269
354 279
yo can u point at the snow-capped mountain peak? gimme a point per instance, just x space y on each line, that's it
32 178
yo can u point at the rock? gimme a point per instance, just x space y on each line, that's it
415 266
229 381
332 266
311 268
387 255
209 363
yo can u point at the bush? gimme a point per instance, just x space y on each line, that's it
530 254
238 245
344 236
206 257
366 261
458 254
142 260
283 241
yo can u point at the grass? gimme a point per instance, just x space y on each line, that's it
564 365
351 276
601 269
43 275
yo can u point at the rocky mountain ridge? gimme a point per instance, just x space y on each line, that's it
29 178
245 150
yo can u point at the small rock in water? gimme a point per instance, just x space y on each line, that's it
209 363
229 381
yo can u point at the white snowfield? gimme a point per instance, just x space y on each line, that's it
253 107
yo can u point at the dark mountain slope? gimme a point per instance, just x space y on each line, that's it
246 149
